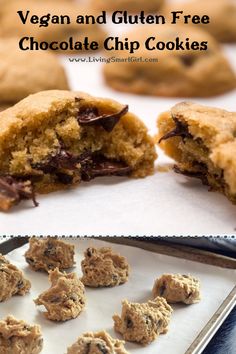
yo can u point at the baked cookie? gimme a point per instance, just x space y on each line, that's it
202 141
49 253
18 337
97 343
177 288
222 14
127 5
23 73
65 299
12 280
143 323
62 138
103 267
11 25
177 72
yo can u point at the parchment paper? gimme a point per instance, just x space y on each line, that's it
186 322
162 204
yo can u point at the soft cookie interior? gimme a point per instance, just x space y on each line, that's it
59 138
195 148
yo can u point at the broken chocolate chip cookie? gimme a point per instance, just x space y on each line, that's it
177 288
18 337
202 141
102 267
143 323
97 343
12 280
65 299
49 253
62 138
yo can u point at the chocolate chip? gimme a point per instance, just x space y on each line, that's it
64 178
162 289
20 284
188 60
89 252
202 175
180 129
60 160
128 322
90 116
189 295
30 260
99 165
50 250
12 191
102 348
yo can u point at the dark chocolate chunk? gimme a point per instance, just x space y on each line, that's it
180 129
101 347
64 178
202 175
162 289
90 116
188 60
89 252
99 165
30 261
12 191
50 250
20 284
91 165
128 322
60 160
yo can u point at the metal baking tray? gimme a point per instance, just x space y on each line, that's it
173 250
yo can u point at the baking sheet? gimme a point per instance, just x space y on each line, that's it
186 322
156 205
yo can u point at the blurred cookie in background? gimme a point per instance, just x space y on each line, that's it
199 69
23 73
127 5
45 30
222 15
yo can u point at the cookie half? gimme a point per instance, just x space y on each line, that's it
202 142
62 138
171 73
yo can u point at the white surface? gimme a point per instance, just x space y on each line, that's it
163 204
186 322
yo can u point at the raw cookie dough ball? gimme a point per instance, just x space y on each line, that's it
143 323
177 288
11 25
103 267
12 280
177 73
23 72
65 299
18 337
222 14
50 253
127 5
97 343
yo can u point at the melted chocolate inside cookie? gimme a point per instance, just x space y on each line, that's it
90 116
180 129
